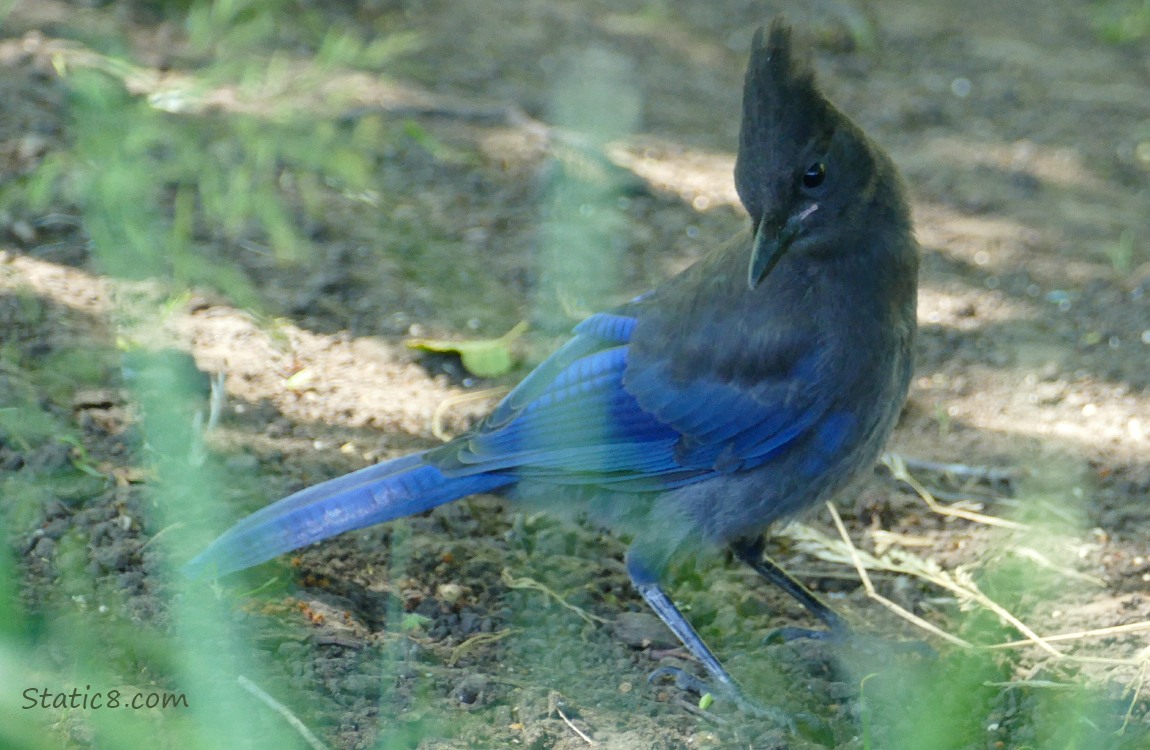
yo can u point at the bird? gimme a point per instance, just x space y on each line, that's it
750 388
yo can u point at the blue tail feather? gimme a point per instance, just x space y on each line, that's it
382 492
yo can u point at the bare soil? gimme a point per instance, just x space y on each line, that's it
1025 140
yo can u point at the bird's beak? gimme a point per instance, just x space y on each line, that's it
772 242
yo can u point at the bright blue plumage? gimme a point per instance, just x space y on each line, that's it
581 426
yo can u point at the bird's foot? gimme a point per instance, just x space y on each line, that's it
790 633
690 683
684 680
846 637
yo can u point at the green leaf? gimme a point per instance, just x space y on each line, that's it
413 621
486 358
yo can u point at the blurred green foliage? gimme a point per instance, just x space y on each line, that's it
163 175
1122 21
161 168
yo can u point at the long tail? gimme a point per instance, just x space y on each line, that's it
383 492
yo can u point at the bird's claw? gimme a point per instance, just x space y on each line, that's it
791 633
684 680
845 636
689 683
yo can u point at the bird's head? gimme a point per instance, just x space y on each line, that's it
804 170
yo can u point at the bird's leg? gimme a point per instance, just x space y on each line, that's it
667 611
751 552
648 586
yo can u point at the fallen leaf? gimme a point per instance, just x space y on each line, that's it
486 358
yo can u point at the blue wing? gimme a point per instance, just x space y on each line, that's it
595 412
590 415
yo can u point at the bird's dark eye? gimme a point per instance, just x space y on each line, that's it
815 175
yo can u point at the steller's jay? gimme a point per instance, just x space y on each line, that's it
752 386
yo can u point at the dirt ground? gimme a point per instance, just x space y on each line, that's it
542 160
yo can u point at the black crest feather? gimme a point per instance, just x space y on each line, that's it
782 109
